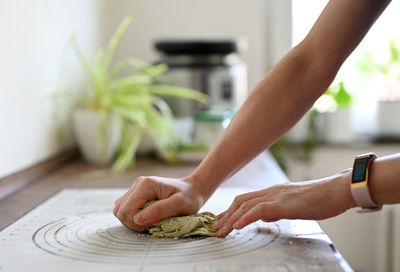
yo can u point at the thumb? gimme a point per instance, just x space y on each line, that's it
168 207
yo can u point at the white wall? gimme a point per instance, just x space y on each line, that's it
156 19
33 49
278 34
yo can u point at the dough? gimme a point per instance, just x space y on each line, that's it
183 226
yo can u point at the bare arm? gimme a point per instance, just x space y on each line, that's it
316 199
275 105
290 88
385 180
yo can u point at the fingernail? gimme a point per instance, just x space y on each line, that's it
139 219
215 226
235 226
222 231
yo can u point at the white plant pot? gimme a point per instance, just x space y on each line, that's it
146 145
387 123
86 129
337 126
183 128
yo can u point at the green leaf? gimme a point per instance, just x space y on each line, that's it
103 119
342 97
131 81
168 90
394 51
193 148
82 59
131 102
156 70
129 63
366 63
162 106
160 128
115 40
128 149
135 117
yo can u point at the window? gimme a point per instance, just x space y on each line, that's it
366 90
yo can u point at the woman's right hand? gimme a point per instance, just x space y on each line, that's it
177 197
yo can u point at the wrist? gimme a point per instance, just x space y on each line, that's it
378 190
200 189
343 181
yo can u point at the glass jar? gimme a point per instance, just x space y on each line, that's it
209 126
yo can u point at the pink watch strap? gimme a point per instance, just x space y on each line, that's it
363 199
362 195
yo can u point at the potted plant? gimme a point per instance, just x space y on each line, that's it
334 107
121 103
388 75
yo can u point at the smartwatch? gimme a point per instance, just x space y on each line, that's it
359 183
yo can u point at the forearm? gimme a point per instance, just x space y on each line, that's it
289 89
384 181
275 104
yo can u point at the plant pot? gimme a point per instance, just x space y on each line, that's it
89 137
387 123
146 145
337 126
183 128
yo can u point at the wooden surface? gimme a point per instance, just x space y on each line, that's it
17 181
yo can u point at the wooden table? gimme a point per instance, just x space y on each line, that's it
262 172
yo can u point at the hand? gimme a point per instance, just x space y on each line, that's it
319 199
177 197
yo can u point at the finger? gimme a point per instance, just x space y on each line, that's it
141 193
227 226
217 225
124 215
265 211
245 207
134 205
232 208
129 223
270 220
121 200
237 202
117 203
219 216
135 201
118 211
168 207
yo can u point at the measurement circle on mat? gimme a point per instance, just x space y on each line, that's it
100 237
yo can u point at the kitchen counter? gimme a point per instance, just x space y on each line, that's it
296 237
261 173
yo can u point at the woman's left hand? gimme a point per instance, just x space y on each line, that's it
317 199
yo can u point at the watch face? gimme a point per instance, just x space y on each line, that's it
360 170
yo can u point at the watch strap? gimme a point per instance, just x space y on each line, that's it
363 198
362 195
